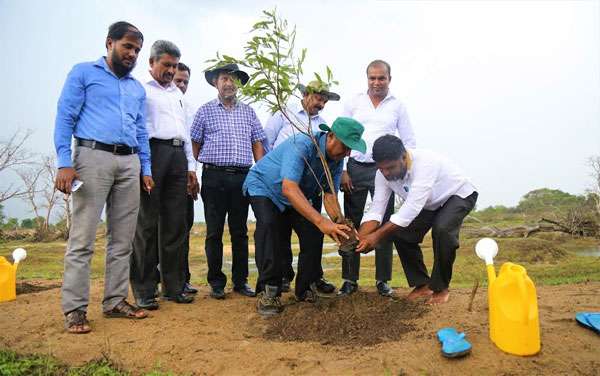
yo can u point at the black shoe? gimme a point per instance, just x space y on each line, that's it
348 288
189 289
285 285
245 290
179 298
268 303
324 286
384 289
147 303
217 293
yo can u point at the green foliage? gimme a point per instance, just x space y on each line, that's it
274 64
545 199
11 224
28 223
2 216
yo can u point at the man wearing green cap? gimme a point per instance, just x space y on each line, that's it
280 186
278 128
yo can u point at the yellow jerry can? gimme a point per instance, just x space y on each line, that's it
513 310
8 280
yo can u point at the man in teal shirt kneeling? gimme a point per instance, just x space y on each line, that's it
280 186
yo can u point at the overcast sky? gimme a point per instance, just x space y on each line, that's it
510 90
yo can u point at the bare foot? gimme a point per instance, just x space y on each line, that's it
439 297
419 292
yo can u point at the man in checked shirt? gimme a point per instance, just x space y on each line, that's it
226 135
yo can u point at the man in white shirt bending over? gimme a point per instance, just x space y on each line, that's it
381 113
436 195
161 227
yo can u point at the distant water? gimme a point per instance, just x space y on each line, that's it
593 252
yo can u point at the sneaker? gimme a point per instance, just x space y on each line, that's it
268 303
308 296
384 289
189 289
348 288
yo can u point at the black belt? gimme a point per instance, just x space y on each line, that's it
115 149
230 169
172 142
365 164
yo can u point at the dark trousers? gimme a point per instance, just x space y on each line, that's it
268 249
287 256
222 196
363 180
445 226
160 232
189 218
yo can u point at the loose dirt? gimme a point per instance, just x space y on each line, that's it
364 335
360 319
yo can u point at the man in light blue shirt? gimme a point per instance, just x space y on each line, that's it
278 129
280 186
102 107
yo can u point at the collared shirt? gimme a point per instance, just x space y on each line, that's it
278 128
226 135
389 117
289 161
97 105
166 116
428 184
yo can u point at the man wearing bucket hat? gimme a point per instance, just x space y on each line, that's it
280 187
278 129
226 136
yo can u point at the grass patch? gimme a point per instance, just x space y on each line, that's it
13 364
550 258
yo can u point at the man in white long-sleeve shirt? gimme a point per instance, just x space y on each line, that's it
161 227
437 196
381 113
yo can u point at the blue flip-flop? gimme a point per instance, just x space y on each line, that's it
454 344
590 320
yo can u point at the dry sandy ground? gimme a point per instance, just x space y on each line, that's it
226 337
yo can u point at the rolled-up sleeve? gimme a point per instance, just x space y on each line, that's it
69 106
380 199
142 138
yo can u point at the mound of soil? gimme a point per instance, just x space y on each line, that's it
529 250
31 287
363 318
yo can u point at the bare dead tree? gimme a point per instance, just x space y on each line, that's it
31 181
594 163
50 195
13 154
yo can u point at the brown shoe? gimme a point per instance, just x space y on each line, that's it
127 311
77 323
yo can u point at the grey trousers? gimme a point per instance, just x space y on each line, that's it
112 180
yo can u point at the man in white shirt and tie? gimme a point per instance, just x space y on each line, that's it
437 196
161 227
381 113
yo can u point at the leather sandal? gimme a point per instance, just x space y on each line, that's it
77 323
127 311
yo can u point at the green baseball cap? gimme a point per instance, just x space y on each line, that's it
349 131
